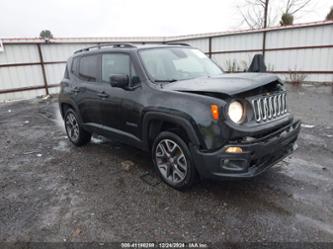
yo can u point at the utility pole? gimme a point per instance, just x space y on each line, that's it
265 26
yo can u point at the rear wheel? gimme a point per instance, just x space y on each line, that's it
76 134
173 161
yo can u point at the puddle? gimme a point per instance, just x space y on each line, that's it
62 146
315 223
313 140
307 126
308 172
58 119
98 140
310 165
319 202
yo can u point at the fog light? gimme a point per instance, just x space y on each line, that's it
234 150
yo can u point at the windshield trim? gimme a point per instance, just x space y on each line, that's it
150 77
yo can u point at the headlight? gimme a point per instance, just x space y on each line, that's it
236 112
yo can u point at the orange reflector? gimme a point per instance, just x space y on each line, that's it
234 150
214 109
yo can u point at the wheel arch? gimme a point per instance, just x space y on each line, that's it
64 106
155 122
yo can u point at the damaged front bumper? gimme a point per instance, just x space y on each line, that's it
258 155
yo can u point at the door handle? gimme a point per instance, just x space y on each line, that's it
103 95
76 90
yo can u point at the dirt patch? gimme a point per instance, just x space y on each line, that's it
106 191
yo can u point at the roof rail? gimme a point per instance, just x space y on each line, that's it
178 43
99 46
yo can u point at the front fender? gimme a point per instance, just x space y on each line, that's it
181 119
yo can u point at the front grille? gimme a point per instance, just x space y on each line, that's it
269 107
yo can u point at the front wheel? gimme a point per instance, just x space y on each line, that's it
173 161
76 134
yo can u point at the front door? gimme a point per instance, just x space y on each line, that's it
120 110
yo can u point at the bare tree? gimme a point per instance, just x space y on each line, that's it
291 8
254 13
294 6
257 13
330 15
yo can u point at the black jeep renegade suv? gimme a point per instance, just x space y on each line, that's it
173 101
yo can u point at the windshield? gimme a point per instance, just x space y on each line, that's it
172 64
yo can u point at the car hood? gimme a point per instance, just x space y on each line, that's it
230 84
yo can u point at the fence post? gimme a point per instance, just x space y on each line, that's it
264 30
41 60
210 47
264 43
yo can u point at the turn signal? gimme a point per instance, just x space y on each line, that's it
234 150
214 109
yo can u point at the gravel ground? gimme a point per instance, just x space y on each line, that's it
52 191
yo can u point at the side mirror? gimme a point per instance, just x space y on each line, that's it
119 80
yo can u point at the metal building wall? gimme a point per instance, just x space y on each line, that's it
26 74
21 68
304 49
31 67
308 49
55 57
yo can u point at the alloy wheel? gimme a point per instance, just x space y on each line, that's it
72 127
171 161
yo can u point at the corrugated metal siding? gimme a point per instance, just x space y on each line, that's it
60 52
237 42
19 54
241 60
319 59
23 76
311 36
55 72
202 44
54 90
229 48
310 77
22 95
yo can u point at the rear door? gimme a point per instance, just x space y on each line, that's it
88 89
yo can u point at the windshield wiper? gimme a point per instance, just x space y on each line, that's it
166 81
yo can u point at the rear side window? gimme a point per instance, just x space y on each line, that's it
66 75
88 67
74 66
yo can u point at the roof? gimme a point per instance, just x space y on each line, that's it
157 39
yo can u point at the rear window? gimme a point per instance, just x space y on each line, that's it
88 67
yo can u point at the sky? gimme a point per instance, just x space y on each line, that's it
96 18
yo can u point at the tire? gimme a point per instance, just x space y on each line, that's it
173 161
75 133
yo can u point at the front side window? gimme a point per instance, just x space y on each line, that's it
117 63
171 64
88 67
